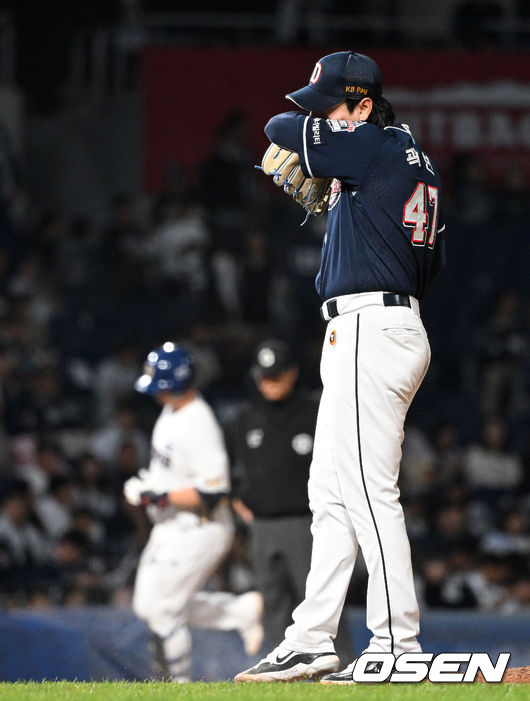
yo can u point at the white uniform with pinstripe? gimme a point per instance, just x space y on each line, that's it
373 361
183 548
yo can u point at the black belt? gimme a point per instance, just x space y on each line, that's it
389 300
392 300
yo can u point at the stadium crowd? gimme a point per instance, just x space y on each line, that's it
222 263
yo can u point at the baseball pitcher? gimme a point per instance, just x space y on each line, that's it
384 246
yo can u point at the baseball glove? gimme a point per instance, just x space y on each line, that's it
284 166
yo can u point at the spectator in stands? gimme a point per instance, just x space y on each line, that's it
76 571
296 253
201 339
130 525
24 542
176 251
46 404
518 597
492 470
450 532
37 463
225 184
228 196
502 350
483 587
127 462
92 527
435 571
34 298
77 257
55 508
417 462
113 378
7 382
448 455
512 537
93 488
121 427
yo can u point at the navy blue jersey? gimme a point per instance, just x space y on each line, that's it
385 228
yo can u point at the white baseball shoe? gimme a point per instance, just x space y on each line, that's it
283 665
252 632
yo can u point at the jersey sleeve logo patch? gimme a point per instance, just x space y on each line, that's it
343 124
212 482
336 189
333 337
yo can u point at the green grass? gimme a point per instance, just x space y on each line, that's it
158 691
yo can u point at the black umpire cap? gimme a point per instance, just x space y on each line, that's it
271 358
339 77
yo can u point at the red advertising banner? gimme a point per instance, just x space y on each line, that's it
454 102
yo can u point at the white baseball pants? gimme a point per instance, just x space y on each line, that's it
373 361
173 566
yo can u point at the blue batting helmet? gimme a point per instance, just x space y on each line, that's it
168 368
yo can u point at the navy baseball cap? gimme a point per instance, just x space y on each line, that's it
271 358
338 77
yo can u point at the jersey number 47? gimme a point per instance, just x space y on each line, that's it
421 214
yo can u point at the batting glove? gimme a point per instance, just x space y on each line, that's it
155 498
134 486
132 489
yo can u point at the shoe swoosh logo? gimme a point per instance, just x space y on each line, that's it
282 659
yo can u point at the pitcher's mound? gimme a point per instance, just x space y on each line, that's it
513 675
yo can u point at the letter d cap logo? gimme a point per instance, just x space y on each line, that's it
317 70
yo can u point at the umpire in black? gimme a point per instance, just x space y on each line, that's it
270 442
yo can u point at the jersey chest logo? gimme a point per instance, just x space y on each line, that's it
336 188
302 443
255 438
163 458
